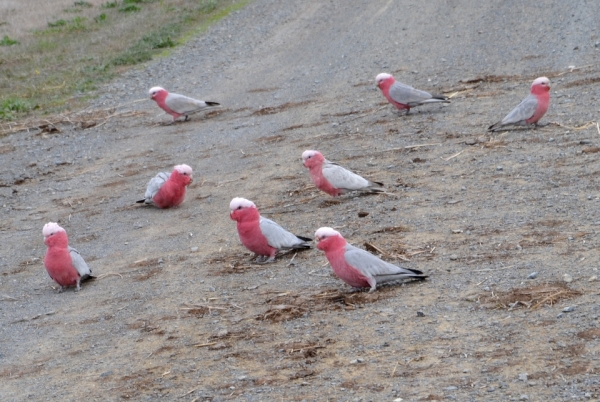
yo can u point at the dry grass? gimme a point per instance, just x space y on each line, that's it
531 297
67 48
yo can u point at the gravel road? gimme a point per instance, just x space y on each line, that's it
506 224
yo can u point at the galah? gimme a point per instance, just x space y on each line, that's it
260 235
334 179
166 191
63 263
357 267
404 96
531 109
178 105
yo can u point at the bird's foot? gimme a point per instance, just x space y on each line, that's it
61 289
263 259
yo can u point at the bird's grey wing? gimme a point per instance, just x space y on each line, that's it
407 95
183 104
371 265
522 112
154 185
278 237
343 178
79 263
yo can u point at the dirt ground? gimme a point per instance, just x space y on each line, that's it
180 313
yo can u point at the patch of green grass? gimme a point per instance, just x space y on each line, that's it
81 3
100 18
59 66
11 106
130 8
77 24
208 6
144 49
6 41
56 24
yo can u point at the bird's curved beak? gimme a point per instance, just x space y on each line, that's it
191 179
317 239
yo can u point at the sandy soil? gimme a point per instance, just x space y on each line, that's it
180 313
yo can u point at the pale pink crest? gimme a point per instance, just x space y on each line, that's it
154 90
50 228
324 232
382 77
184 169
541 81
239 202
308 154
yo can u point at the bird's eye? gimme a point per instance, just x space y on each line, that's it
240 207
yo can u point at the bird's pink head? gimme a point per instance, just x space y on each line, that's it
241 208
540 85
54 235
312 158
183 173
158 93
384 77
328 238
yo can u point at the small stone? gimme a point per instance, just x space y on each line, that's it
362 214
194 249
420 314
532 275
532 383
523 398
523 377
471 141
160 261
453 257
567 278
398 400
585 142
568 309
451 388
222 333
592 278
499 168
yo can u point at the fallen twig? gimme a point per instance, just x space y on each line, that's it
455 155
201 345
109 274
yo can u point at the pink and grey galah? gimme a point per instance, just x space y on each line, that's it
178 105
404 96
166 191
260 235
334 179
531 109
357 267
64 264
